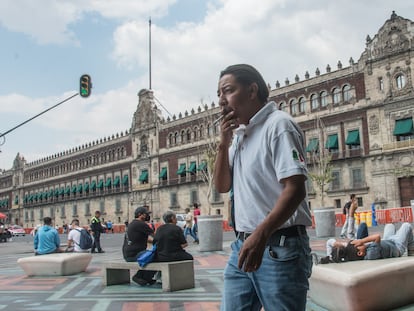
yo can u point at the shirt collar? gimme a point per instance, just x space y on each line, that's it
258 117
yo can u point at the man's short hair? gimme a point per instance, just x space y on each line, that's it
168 217
47 221
75 222
246 75
344 254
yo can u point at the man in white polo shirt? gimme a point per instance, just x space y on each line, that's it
265 167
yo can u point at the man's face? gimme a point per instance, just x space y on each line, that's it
362 250
233 96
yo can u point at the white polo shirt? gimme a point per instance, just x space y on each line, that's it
268 149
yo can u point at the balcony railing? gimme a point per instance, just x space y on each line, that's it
398 145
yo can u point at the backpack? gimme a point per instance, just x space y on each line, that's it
86 240
346 207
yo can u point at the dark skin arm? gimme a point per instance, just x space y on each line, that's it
222 172
251 254
371 238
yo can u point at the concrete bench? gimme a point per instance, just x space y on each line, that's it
382 284
55 264
175 275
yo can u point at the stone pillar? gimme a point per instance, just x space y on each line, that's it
324 222
210 232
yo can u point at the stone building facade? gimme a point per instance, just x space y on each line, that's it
361 115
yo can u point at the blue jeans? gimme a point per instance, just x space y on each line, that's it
187 231
280 283
403 237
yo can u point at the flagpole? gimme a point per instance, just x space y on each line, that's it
150 54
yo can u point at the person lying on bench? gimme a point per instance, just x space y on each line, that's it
393 244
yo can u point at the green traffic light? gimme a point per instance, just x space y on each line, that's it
85 86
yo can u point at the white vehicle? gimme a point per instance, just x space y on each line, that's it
180 220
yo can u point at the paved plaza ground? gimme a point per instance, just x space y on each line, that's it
85 291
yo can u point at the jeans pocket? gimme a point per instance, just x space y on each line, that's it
288 252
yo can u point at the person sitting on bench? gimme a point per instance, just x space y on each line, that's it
170 240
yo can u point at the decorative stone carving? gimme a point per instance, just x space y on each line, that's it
393 37
373 124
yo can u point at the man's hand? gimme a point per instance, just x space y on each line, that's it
251 253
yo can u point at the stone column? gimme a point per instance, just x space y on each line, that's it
210 232
324 222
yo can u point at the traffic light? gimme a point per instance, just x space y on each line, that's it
85 86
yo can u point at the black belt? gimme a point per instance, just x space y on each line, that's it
289 232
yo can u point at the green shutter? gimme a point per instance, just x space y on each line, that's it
163 174
100 184
86 187
202 166
144 176
332 142
125 180
80 188
73 188
16 199
193 167
67 190
117 181
108 182
181 170
404 127
313 145
93 185
353 138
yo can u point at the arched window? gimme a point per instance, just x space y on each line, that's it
201 131
175 138
283 106
209 130
400 81
324 98
336 96
182 136
346 93
188 135
195 131
301 105
314 101
293 107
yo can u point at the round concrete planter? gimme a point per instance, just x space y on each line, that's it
210 232
324 222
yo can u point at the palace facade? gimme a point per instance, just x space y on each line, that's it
360 115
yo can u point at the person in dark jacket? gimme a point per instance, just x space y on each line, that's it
138 234
97 229
170 240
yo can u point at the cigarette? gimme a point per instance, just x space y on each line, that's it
218 119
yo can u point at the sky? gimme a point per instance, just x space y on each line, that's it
46 45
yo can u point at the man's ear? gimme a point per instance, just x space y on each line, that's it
253 89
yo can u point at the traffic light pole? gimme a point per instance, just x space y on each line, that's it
17 126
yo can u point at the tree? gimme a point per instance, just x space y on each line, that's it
321 171
210 155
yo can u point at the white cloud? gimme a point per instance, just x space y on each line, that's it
49 21
46 21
